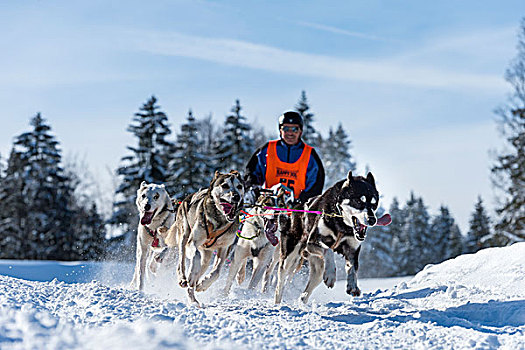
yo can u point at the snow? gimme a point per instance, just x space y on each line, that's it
472 301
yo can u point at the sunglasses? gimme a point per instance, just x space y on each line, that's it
290 128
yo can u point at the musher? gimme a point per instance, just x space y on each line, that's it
289 161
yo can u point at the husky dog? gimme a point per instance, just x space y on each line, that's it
156 213
349 209
206 222
256 245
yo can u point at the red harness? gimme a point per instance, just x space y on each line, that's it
153 234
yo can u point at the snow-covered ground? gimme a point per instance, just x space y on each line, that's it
473 301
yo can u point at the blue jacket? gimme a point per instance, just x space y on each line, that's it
256 168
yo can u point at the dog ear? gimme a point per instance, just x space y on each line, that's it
349 179
370 179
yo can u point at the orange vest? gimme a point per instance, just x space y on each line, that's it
292 175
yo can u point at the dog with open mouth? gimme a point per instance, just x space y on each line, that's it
258 238
348 209
207 222
156 214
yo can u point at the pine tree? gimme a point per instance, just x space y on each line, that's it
479 229
236 145
414 237
2 166
90 234
336 155
446 241
12 210
207 136
189 166
455 244
310 135
509 169
148 162
35 169
376 253
398 245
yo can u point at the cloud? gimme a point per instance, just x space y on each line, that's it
340 31
249 55
488 44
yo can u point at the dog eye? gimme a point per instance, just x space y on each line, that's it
239 187
156 196
225 186
363 199
143 195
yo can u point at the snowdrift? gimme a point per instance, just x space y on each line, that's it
472 301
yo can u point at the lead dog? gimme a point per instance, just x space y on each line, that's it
349 209
156 212
207 221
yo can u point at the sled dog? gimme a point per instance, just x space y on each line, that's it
156 213
207 221
258 238
349 209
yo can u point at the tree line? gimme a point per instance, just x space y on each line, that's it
44 215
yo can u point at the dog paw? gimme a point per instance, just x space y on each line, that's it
203 285
183 283
329 279
355 292
304 297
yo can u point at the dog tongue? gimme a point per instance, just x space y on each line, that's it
146 218
227 208
272 238
384 220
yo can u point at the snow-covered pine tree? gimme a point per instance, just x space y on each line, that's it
90 240
261 136
2 166
414 236
207 133
36 162
148 162
88 226
445 241
509 169
310 135
398 243
455 243
189 167
12 210
235 147
337 158
376 253
479 230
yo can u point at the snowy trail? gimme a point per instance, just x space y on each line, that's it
473 301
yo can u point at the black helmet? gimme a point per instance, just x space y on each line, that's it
291 117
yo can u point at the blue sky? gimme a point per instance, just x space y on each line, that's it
414 83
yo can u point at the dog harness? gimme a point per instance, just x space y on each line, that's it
152 233
212 233
292 175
